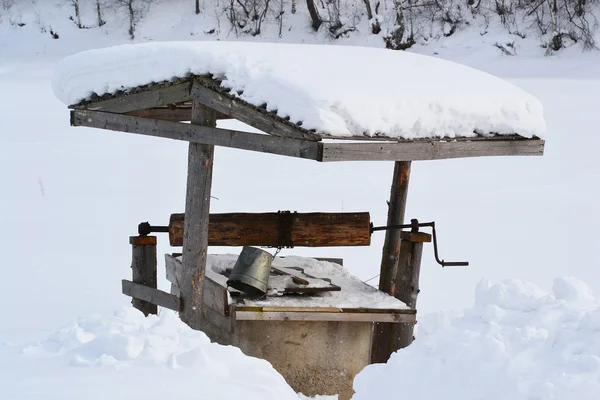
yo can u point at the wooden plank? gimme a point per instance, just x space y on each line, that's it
432 150
345 310
223 322
154 296
295 277
174 269
281 229
382 332
159 95
216 296
324 316
417 237
164 113
170 113
197 134
203 90
338 261
142 240
143 269
197 205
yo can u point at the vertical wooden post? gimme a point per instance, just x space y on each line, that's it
143 269
382 333
407 290
197 207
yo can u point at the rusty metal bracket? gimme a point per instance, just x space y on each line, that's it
144 229
285 229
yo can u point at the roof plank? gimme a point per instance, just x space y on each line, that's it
264 121
141 99
431 150
197 134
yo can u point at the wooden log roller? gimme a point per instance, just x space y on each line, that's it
292 229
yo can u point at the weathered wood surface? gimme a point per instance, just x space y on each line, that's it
417 237
216 296
203 90
142 240
150 295
281 229
143 269
175 114
225 323
355 310
390 255
430 150
197 205
174 269
140 100
164 113
324 316
197 134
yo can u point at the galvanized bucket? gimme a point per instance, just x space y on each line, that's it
251 271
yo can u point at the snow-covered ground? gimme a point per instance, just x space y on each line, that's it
72 196
518 342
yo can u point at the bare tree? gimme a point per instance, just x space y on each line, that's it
99 12
247 16
77 13
135 10
375 25
314 15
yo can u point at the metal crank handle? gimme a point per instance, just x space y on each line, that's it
455 264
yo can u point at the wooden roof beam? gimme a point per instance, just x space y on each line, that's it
246 113
197 134
431 150
142 99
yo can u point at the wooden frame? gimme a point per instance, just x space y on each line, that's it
311 315
156 110
159 109
311 150
153 296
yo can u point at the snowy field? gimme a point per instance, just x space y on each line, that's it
72 196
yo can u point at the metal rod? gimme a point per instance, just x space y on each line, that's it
144 229
415 225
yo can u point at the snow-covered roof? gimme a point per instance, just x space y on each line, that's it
341 91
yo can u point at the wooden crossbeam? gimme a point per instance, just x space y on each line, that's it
170 114
197 134
245 112
326 152
345 316
141 100
154 296
431 150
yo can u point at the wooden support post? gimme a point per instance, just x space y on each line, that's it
407 290
143 269
382 333
197 207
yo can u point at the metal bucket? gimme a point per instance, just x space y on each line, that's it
251 271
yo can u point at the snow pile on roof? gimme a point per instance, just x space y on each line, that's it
127 356
354 294
517 343
337 90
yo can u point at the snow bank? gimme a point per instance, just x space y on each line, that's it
517 343
374 92
127 356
